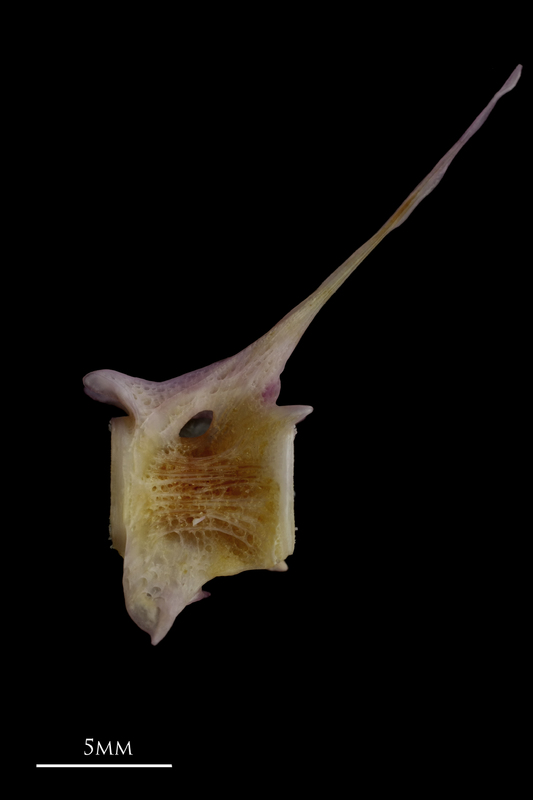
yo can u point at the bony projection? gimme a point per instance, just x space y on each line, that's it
202 465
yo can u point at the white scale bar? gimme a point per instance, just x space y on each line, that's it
103 765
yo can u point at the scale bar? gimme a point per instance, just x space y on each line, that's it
103 765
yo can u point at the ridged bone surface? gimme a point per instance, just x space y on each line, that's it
202 466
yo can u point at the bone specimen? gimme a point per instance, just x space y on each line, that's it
202 465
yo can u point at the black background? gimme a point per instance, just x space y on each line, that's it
186 205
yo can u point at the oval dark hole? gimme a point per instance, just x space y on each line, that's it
197 425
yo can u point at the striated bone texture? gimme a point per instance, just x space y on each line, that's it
202 466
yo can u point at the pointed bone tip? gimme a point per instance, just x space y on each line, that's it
107 386
512 80
162 626
96 384
295 413
90 383
281 566
156 637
